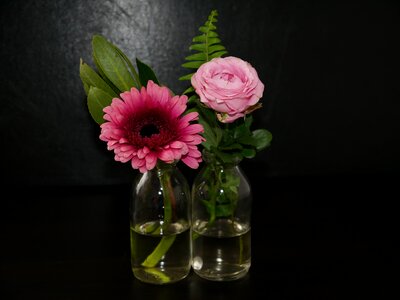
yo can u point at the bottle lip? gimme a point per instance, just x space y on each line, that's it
165 166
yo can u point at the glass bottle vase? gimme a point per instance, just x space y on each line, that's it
160 226
221 229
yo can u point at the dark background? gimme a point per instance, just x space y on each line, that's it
325 192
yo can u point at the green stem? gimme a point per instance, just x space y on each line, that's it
162 248
168 195
166 241
155 272
241 249
195 235
213 194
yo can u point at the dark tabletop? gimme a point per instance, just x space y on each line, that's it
313 237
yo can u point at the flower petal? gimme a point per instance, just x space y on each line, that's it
179 105
166 155
151 160
194 128
190 117
191 162
137 162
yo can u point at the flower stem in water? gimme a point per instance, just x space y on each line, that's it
153 271
166 241
162 248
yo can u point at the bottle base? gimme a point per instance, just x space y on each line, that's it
159 276
215 275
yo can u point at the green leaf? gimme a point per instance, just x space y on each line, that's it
188 90
91 78
145 73
206 144
112 64
212 133
219 134
249 153
207 45
192 99
213 15
207 40
104 77
210 206
217 54
186 77
193 64
235 146
248 120
207 114
198 47
223 210
212 34
215 48
212 41
199 38
242 133
130 66
86 87
98 99
228 158
197 56
208 133
206 29
230 185
262 137
248 140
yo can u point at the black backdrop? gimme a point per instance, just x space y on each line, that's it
325 190
330 70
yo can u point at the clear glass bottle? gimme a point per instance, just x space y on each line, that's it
160 226
221 215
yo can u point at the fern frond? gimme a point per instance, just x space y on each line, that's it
206 46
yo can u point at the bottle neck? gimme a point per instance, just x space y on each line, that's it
212 159
163 168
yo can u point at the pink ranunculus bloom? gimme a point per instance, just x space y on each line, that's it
147 125
229 86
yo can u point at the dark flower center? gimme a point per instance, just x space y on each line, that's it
148 130
151 127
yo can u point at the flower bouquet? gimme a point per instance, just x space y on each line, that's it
147 125
224 91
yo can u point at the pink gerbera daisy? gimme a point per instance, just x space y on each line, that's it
148 125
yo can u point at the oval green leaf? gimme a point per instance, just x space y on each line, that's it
146 73
112 64
91 78
98 99
193 64
262 138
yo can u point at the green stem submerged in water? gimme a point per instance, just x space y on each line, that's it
166 241
162 248
168 195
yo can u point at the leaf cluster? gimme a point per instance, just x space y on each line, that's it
206 46
234 141
114 74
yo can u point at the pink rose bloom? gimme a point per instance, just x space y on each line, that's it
229 86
